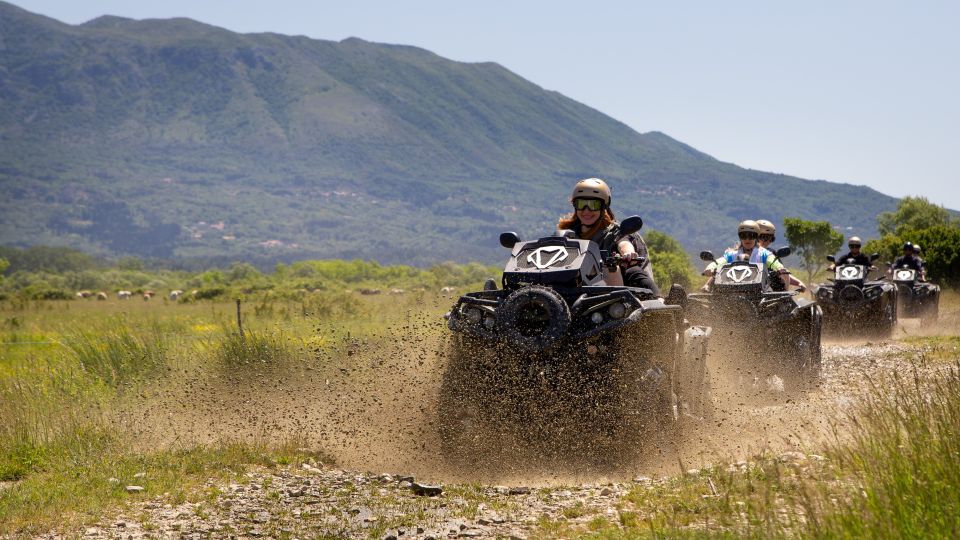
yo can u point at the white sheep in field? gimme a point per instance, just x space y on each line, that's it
175 295
124 295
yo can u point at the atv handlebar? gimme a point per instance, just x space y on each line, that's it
616 260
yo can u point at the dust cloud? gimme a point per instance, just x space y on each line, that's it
372 404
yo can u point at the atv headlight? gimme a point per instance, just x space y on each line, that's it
597 317
823 293
488 322
473 315
617 310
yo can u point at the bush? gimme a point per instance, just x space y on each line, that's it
209 293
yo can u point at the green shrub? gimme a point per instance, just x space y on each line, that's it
209 293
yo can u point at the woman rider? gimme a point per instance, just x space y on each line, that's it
592 219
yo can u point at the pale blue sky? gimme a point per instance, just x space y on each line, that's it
863 92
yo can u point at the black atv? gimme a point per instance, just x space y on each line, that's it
915 298
854 304
558 356
760 335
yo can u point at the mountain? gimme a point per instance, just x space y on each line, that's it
176 139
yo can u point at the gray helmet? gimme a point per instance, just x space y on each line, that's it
854 241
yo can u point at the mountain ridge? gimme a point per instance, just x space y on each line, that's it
128 136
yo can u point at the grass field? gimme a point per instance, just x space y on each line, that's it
69 369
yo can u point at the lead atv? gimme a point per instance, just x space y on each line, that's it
854 304
915 298
763 338
559 360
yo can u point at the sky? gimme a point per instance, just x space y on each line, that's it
860 92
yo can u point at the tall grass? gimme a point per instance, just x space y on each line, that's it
255 349
903 464
119 355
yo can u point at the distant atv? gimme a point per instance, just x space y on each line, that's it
916 298
557 353
760 333
854 304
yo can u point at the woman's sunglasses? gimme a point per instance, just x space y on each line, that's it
767 237
588 204
748 236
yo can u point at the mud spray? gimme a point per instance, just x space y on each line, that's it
372 405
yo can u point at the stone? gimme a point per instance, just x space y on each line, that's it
404 484
519 490
792 457
606 492
642 479
425 489
135 489
140 475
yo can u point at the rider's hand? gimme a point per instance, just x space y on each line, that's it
705 288
783 271
802 288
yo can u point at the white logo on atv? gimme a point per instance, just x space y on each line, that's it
739 273
849 272
905 274
537 257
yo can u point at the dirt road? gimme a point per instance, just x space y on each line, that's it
373 416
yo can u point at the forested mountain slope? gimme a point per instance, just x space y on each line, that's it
172 138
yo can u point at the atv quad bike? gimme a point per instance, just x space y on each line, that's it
853 304
915 298
558 356
759 333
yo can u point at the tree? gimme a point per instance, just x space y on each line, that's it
671 264
913 214
812 241
3 267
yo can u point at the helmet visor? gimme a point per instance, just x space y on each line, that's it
748 235
587 204
767 238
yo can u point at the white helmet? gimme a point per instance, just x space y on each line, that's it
748 225
592 188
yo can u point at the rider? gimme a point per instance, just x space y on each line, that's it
592 219
748 249
907 260
858 258
768 235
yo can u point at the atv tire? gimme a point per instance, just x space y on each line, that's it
533 318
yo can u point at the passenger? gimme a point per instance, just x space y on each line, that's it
918 252
768 235
907 260
748 231
858 258
593 219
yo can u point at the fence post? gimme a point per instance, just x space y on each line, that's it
239 320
